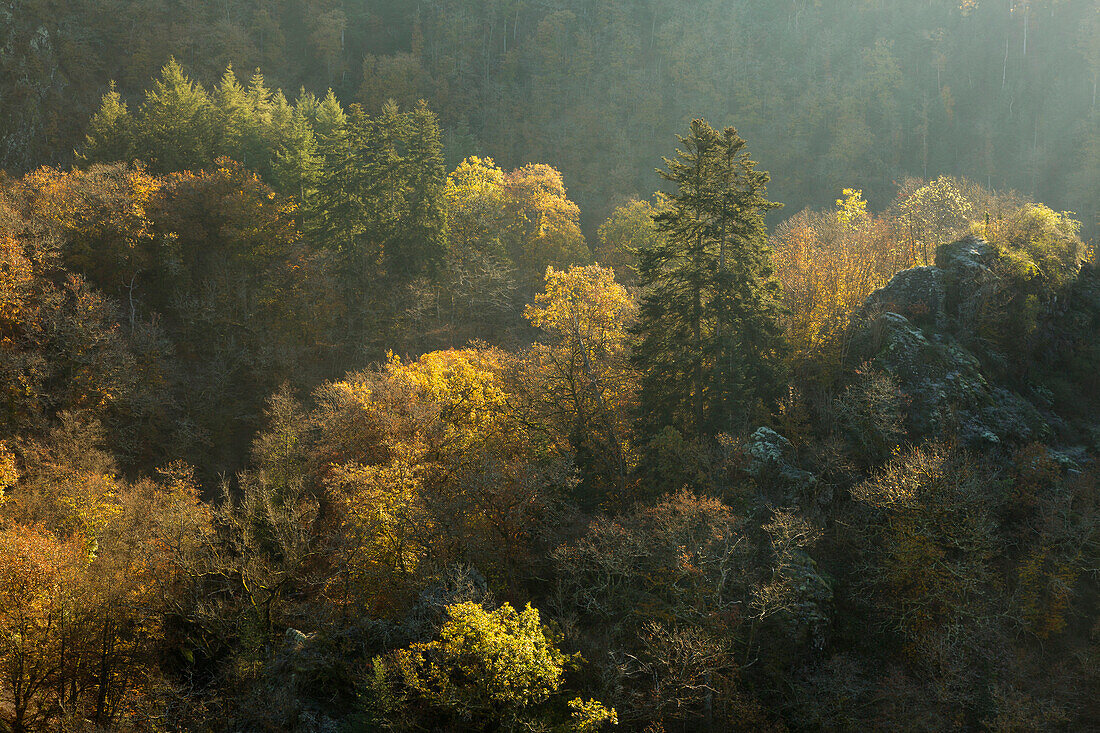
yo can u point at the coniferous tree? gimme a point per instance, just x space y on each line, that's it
174 126
110 131
422 242
709 333
295 164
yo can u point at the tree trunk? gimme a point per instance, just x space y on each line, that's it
103 681
697 333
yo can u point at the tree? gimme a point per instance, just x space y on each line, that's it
828 263
580 379
242 122
100 217
487 668
38 579
628 230
669 583
936 561
90 563
544 225
935 213
477 281
379 206
295 165
173 132
709 337
1039 256
110 135
229 255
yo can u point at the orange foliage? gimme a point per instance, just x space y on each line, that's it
828 264
98 218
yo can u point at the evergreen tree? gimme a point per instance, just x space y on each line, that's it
296 164
232 116
421 243
242 122
708 331
379 203
174 123
110 131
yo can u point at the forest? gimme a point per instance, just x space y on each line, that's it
549 365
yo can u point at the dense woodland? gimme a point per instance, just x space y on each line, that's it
832 94
392 389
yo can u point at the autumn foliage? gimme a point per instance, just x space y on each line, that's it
301 431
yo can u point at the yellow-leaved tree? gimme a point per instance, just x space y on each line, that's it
933 213
828 263
579 381
629 229
425 464
484 668
544 225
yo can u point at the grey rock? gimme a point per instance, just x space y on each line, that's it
1071 459
917 293
945 386
297 641
970 280
770 460
967 258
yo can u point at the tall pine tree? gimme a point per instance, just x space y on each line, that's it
709 338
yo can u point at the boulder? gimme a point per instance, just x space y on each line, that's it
297 641
969 278
966 259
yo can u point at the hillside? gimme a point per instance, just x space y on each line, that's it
306 427
831 94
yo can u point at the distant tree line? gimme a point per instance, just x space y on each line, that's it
832 94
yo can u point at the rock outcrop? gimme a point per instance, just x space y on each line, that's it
914 329
771 460
917 294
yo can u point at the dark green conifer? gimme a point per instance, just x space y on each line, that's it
709 337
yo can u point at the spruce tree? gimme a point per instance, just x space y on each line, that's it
110 132
296 163
174 126
709 338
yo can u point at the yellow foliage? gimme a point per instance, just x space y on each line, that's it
852 209
629 228
585 306
89 506
544 224
934 213
384 508
1036 241
580 380
489 666
524 215
475 207
9 474
465 383
828 265
427 462
16 281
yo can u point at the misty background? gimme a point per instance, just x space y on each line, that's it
829 94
